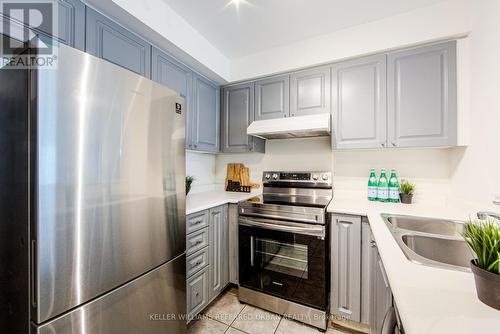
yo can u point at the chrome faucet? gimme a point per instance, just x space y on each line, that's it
485 214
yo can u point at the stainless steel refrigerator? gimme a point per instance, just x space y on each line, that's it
92 200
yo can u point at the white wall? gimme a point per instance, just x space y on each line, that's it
429 168
476 169
445 19
202 167
286 154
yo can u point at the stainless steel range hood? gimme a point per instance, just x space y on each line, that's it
291 127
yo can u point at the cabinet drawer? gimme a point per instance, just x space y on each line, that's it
196 261
197 221
196 241
197 292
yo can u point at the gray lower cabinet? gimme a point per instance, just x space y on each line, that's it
422 96
360 289
108 40
310 92
346 267
359 103
237 114
204 116
207 261
272 98
197 292
233 216
219 251
367 245
380 293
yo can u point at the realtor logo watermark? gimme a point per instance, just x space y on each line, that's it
29 25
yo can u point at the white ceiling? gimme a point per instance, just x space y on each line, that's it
261 24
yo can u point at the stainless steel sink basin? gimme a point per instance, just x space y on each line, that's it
427 225
429 241
449 251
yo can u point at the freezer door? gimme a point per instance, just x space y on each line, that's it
154 304
110 181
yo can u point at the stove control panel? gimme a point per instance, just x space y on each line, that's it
311 177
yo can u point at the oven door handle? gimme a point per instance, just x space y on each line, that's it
283 226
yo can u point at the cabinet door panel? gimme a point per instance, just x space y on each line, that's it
197 292
381 296
310 92
108 40
167 71
346 267
71 16
225 247
359 103
272 98
422 96
366 271
70 28
237 115
215 279
205 127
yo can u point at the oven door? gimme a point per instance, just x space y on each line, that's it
285 259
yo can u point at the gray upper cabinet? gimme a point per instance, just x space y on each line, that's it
310 92
71 16
346 267
422 96
204 118
108 40
169 72
237 114
359 103
272 98
70 24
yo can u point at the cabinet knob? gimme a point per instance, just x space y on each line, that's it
394 144
195 146
382 144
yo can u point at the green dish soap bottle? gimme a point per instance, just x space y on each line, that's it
372 186
383 187
393 187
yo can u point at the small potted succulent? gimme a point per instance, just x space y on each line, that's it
189 182
406 191
483 238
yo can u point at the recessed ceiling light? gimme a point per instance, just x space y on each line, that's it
237 3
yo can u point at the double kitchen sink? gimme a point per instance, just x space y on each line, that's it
430 241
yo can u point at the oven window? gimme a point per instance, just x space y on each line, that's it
282 257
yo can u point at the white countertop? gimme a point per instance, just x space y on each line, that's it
429 300
208 199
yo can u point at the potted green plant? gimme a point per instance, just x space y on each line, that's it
406 191
483 238
189 182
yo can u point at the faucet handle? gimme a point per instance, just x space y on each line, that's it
485 214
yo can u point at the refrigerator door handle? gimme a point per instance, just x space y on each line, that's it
33 273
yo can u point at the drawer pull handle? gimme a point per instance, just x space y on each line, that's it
194 244
198 222
197 294
197 263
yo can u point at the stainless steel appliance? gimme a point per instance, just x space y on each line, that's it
284 263
92 217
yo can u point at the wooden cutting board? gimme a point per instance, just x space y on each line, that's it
237 172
